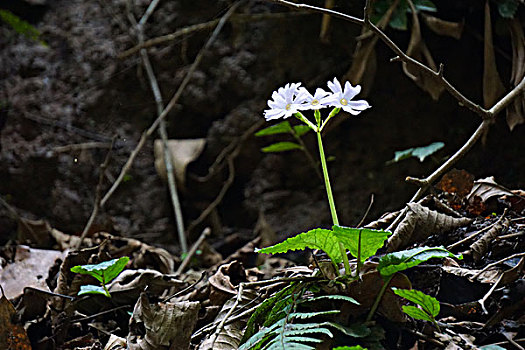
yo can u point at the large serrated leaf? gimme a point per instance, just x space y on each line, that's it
315 239
371 240
428 303
405 259
281 128
281 147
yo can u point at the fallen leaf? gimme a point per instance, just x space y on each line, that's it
481 245
442 27
30 268
493 88
487 188
182 152
418 50
162 325
516 109
419 223
458 182
12 336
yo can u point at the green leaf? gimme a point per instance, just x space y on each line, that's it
315 239
263 310
355 347
105 271
424 5
399 18
491 347
91 289
418 152
429 304
281 147
281 128
21 27
507 8
331 297
307 315
300 130
371 240
405 259
416 313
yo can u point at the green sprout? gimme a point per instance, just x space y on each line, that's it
428 306
104 272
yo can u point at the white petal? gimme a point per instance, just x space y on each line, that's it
359 105
351 91
335 86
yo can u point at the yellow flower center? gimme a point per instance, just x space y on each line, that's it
344 102
288 106
315 102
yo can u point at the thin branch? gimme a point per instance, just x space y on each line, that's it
205 233
229 181
201 27
163 134
147 133
98 194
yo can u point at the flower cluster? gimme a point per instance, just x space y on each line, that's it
292 98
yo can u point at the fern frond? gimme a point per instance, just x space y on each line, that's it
307 315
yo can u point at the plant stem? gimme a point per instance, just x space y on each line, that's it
378 298
331 199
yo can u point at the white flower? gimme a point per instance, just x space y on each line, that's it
343 99
316 101
284 103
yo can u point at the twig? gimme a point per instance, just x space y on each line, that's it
81 146
98 194
200 27
162 131
219 328
147 133
466 239
367 211
229 181
205 233
517 255
17 217
185 289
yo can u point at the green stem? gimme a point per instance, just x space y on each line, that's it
331 199
378 298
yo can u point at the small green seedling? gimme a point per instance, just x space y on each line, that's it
104 272
428 306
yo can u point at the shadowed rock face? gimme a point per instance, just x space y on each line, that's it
76 90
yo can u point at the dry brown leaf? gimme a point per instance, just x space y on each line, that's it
417 49
458 182
489 276
12 336
223 282
516 110
115 343
183 152
29 269
442 27
155 281
419 223
481 245
162 325
493 88
229 337
487 188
